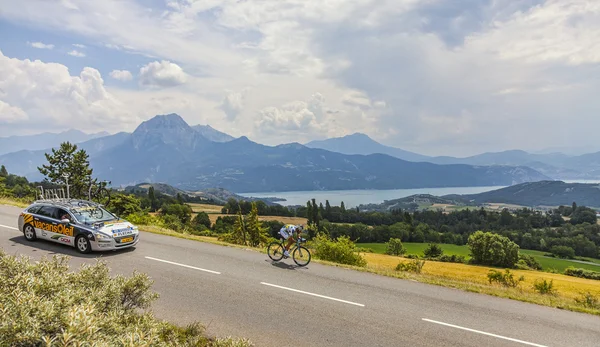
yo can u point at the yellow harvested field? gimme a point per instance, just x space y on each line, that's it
205 208
285 220
567 286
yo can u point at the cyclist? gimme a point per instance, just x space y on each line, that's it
287 232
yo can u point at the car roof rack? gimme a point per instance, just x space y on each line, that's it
57 197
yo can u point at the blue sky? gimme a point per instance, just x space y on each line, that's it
436 77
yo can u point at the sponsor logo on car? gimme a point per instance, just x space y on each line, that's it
59 229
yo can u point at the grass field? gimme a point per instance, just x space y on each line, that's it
547 263
205 208
214 212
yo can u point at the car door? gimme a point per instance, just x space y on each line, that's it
63 232
44 222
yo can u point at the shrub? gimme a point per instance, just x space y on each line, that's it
43 303
506 279
452 258
493 249
544 287
563 252
395 247
414 265
342 250
588 300
143 218
412 256
583 273
201 221
172 222
433 250
527 262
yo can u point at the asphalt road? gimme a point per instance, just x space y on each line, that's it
243 293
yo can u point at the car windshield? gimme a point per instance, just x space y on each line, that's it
92 214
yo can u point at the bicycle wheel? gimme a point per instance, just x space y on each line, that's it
103 196
301 256
275 251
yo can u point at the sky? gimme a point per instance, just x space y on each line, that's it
431 76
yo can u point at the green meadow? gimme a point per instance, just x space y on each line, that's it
548 263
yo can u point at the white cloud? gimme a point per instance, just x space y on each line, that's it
232 105
78 45
300 117
76 53
440 77
50 98
162 74
121 75
40 45
11 114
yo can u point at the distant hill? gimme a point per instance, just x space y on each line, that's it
166 149
544 193
218 195
358 143
44 140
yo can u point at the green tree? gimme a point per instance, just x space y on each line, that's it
493 249
124 205
201 221
309 213
3 171
395 247
433 250
68 160
563 252
183 212
152 198
257 234
343 207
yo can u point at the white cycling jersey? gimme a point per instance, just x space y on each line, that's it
287 230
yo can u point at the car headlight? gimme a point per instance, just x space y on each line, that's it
101 236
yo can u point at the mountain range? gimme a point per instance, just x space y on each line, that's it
554 165
166 149
43 141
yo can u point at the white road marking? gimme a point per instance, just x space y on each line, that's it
313 294
7 227
188 266
484 333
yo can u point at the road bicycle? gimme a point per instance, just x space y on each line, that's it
300 254
97 192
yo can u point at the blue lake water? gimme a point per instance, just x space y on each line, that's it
353 198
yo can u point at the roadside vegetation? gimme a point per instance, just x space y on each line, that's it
45 304
497 253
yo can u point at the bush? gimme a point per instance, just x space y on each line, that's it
493 249
527 262
414 265
506 279
433 251
342 250
42 303
544 287
201 221
143 218
412 256
583 273
588 300
452 258
172 222
395 247
563 252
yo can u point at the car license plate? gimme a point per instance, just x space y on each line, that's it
127 239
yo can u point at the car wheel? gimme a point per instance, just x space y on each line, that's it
83 244
29 232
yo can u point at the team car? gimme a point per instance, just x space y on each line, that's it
82 224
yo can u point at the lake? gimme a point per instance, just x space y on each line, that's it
353 198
